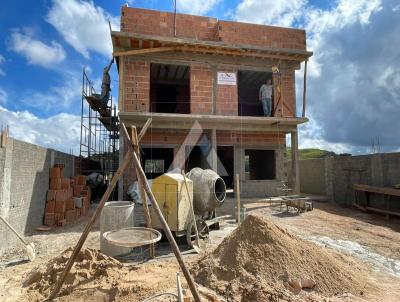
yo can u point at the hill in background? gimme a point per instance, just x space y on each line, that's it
311 153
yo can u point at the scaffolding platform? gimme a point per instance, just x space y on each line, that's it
99 130
110 123
97 105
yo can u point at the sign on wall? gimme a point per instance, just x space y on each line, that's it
226 78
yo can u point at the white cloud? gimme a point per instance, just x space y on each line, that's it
35 51
310 136
353 77
282 13
83 25
64 96
318 23
60 132
2 60
196 7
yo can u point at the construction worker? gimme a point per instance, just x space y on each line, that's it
106 84
265 97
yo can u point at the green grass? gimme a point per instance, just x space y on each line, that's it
311 153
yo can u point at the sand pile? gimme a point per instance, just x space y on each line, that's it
255 261
90 264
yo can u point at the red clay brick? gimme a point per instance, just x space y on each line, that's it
51 195
55 183
70 205
55 173
49 219
50 207
60 206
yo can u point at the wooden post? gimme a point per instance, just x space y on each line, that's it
295 162
304 89
167 231
135 142
238 198
88 227
214 156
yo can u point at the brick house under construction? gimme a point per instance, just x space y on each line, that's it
198 78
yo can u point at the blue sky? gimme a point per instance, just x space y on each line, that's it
353 83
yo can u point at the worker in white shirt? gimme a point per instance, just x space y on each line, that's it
265 96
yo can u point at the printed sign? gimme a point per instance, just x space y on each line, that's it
226 78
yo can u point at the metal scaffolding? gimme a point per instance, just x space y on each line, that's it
99 129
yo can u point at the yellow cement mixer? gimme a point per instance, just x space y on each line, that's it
204 191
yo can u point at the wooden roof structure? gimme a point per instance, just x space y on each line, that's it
129 44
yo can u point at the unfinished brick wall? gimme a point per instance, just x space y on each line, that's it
227 98
137 86
151 22
288 93
201 89
261 35
249 138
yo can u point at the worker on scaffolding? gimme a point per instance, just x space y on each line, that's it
265 97
106 84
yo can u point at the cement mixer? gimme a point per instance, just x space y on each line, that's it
209 191
202 190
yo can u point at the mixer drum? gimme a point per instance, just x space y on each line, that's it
209 190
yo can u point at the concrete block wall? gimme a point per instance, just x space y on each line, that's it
312 176
336 176
260 188
24 181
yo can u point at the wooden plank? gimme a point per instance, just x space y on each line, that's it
304 89
213 44
378 190
238 197
122 167
135 142
382 211
144 129
89 225
237 53
142 51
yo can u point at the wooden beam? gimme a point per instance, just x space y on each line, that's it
127 159
237 189
212 44
237 53
142 51
164 224
377 190
304 89
135 142
144 129
382 211
295 163
89 225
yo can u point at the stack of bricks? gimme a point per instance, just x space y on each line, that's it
81 193
67 199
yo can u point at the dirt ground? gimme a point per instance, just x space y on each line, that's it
367 239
